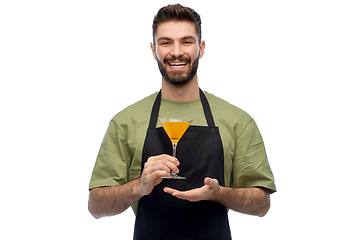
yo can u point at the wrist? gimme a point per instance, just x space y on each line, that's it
137 189
216 195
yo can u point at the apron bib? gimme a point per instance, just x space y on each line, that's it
160 216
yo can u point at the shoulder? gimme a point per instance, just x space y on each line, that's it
135 112
223 110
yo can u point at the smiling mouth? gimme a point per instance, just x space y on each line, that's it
177 65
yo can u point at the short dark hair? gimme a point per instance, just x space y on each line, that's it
177 12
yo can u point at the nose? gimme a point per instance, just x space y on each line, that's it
177 50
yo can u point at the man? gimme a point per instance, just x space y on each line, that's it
222 154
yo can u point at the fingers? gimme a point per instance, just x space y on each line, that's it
193 195
203 193
186 195
163 163
170 190
155 168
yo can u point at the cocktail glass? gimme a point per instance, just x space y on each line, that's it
175 129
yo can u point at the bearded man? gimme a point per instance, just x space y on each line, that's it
221 155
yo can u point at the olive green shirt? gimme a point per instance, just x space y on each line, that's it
245 161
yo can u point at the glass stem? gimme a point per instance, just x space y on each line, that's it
174 144
174 148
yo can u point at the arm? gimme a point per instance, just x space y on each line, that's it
110 201
252 201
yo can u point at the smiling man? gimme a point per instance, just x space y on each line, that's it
177 51
221 155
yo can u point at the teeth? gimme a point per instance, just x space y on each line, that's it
177 63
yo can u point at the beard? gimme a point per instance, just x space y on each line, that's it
178 78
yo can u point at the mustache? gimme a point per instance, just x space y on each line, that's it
181 59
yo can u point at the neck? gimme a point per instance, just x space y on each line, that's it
183 93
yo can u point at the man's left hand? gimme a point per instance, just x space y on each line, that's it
205 192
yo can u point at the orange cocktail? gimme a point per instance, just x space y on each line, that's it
175 129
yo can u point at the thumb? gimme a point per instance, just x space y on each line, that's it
210 182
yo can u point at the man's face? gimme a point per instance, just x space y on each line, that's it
177 51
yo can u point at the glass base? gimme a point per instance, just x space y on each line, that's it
174 176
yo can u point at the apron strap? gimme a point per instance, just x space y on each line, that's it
207 111
155 111
204 102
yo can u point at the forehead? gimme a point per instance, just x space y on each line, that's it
176 30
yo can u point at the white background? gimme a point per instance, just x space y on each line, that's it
66 67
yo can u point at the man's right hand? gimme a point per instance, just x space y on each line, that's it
109 201
155 168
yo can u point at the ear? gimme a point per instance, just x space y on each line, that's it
153 49
202 49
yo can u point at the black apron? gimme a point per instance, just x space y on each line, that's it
160 216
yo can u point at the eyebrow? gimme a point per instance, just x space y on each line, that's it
169 39
163 39
188 37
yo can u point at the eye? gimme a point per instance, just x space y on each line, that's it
165 43
188 42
